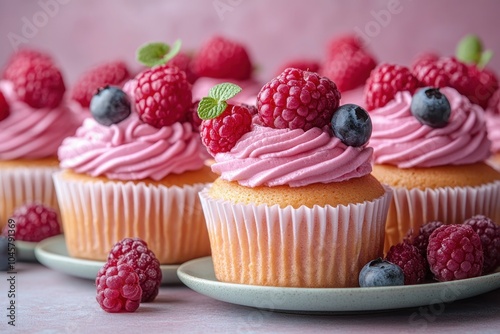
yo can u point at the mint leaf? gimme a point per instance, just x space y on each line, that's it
209 108
224 91
469 49
485 59
157 53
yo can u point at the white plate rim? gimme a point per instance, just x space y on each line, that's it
46 255
25 250
197 275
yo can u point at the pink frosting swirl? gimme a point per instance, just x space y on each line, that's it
398 138
29 133
132 150
493 125
272 157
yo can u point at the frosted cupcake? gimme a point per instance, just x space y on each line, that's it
431 147
294 205
33 123
493 125
135 170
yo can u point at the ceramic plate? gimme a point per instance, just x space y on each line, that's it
52 253
199 275
25 250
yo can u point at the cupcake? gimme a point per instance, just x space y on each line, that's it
294 205
34 120
493 125
135 169
222 60
430 145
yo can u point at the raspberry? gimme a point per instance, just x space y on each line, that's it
223 58
422 60
163 95
408 257
21 56
483 84
35 222
385 81
193 118
135 253
298 99
4 107
489 233
421 240
184 62
455 252
220 134
111 73
343 43
494 103
302 64
349 69
118 288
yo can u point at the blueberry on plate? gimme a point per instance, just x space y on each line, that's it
352 125
431 107
110 105
380 272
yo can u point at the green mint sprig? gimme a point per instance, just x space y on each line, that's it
470 51
157 53
215 103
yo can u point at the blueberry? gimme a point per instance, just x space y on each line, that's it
4 264
110 105
431 107
380 272
352 125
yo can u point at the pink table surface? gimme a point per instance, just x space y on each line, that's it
51 302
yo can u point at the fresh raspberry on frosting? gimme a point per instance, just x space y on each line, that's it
192 117
455 252
489 233
349 69
409 258
112 73
163 95
223 58
135 253
35 222
343 43
422 60
298 99
310 65
385 81
484 83
22 56
118 288
37 82
184 62
4 107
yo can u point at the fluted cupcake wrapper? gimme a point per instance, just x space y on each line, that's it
304 247
22 185
96 215
411 208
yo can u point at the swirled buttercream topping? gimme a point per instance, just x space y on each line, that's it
29 133
272 157
399 139
132 150
493 125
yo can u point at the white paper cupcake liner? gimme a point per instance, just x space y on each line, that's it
96 215
22 185
304 247
411 208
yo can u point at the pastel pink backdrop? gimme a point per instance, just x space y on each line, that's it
81 33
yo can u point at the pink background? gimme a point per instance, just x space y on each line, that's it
82 33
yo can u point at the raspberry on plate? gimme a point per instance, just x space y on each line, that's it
298 99
118 288
385 81
408 257
223 124
4 107
489 233
455 252
37 82
112 73
135 253
35 222
421 240
223 58
163 95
